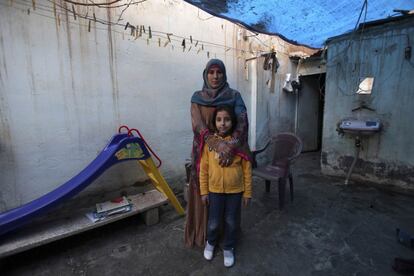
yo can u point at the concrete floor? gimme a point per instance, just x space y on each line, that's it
329 229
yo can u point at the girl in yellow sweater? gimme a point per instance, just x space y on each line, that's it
224 188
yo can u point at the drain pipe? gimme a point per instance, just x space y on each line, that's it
358 148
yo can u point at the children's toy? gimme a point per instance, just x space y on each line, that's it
122 147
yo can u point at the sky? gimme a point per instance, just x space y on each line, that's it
311 22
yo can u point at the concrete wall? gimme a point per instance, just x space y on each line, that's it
378 52
67 84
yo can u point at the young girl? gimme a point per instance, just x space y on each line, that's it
223 188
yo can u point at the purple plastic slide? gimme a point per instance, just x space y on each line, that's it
121 148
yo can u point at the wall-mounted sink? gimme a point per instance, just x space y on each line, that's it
359 127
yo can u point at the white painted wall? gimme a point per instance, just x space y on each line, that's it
64 91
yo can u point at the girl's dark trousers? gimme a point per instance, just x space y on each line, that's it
223 207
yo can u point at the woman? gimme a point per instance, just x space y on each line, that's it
215 92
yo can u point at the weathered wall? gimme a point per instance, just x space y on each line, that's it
377 52
65 88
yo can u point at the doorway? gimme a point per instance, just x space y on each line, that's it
310 106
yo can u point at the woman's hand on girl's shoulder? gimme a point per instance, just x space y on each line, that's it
226 154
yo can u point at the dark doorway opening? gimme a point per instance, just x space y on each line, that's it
311 101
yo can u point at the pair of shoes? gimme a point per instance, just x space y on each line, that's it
228 258
208 251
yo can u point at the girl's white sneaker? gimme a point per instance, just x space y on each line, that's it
208 251
228 258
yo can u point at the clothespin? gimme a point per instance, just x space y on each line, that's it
126 26
202 47
147 41
208 54
198 51
196 44
143 29
74 12
189 49
132 30
140 30
89 26
149 32
169 38
94 17
159 42
183 43
166 43
191 39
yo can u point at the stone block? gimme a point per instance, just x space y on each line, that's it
151 216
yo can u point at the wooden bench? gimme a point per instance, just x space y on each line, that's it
39 234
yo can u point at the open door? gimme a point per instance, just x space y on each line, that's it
310 111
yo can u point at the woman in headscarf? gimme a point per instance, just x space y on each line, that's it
215 92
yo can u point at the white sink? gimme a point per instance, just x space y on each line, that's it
359 127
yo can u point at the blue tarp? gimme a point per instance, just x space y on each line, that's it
308 22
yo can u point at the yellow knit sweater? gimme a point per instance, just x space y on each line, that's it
235 178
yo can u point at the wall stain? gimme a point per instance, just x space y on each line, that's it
60 53
57 22
84 57
112 69
69 48
3 61
69 38
28 53
75 105
7 156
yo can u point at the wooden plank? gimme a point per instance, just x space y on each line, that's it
35 235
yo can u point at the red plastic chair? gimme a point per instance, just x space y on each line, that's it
286 148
